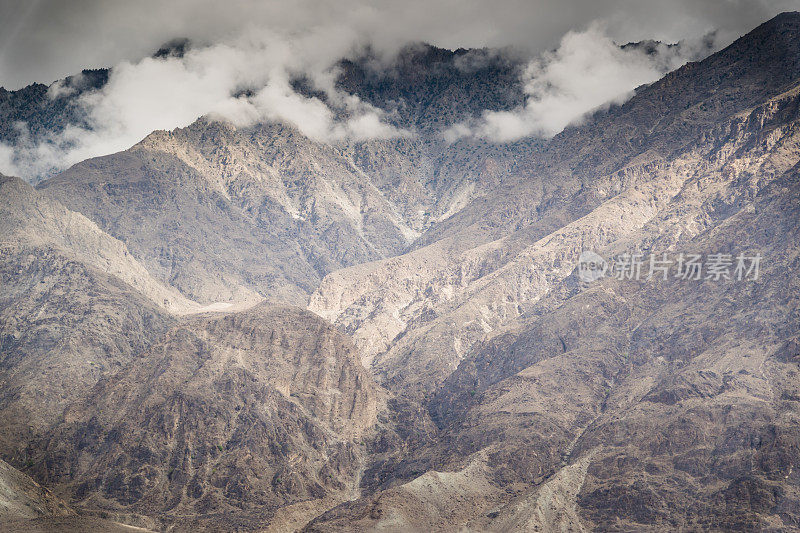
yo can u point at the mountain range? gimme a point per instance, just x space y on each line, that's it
242 328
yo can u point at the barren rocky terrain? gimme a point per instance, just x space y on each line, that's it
231 328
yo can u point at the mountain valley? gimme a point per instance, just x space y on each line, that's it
228 328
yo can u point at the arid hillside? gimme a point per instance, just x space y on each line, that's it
231 328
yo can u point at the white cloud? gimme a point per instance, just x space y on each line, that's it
257 46
171 92
587 71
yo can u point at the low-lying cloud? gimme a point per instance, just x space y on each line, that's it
243 82
588 71
246 52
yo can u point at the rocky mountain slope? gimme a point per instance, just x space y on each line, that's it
454 373
21 497
25 506
69 312
32 219
37 112
226 419
618 405
592 185
86 331
624 405
299 209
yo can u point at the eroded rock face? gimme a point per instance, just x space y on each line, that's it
617 405
64 326
707 153
26 506
623 405
75 306
226 419
519 397
31 219
298 209
21 497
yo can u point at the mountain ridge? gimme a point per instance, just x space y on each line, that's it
422 353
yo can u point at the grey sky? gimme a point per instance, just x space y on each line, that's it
43 40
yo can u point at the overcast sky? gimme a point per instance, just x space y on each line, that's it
43 40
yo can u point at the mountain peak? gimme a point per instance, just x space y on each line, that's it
428 354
